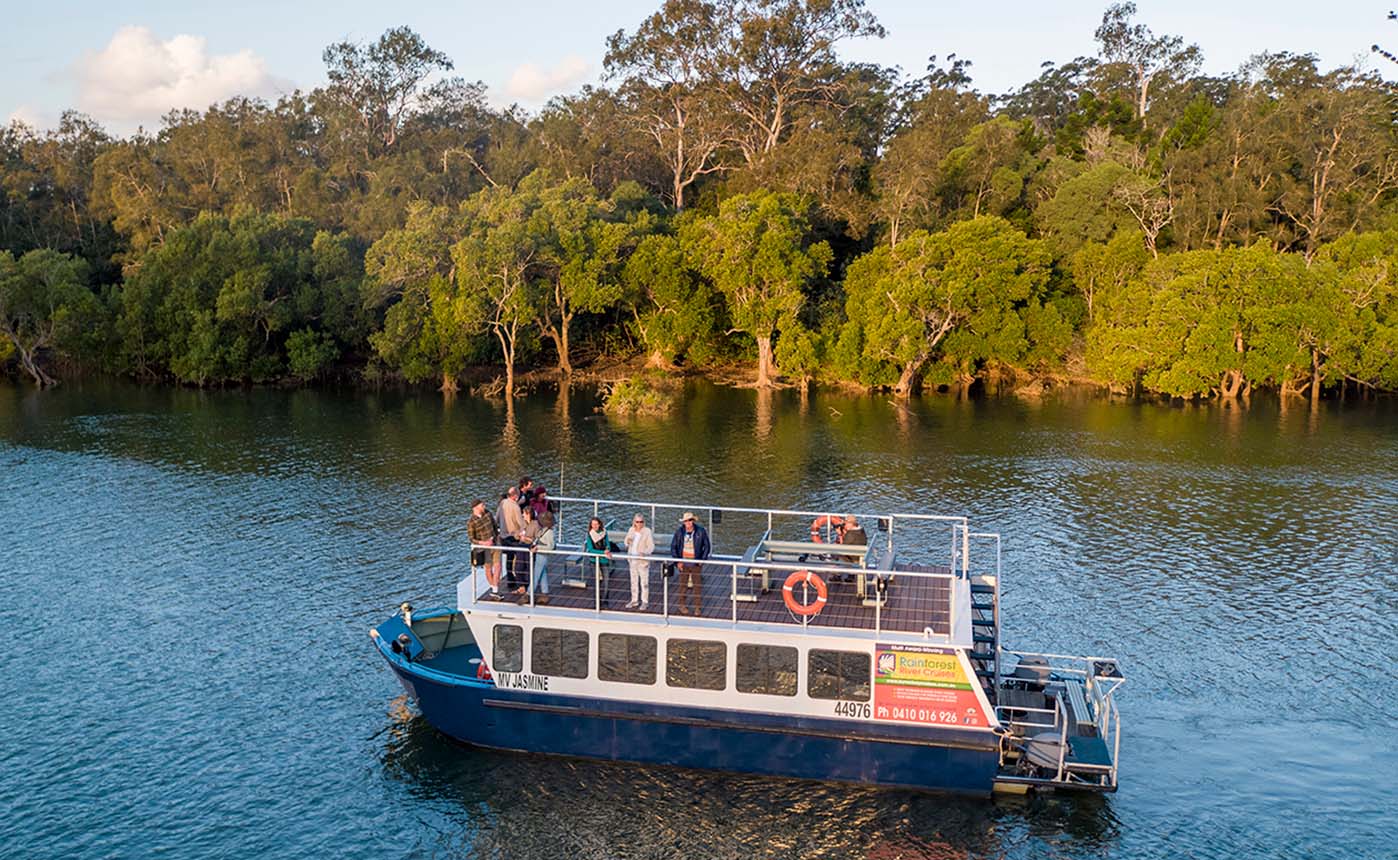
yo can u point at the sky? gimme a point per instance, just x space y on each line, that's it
127 63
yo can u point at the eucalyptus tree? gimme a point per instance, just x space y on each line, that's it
375 87
666 74
758 254
910 178
1148 56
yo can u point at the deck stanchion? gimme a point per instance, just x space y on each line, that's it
531 579
733 598
664 594
597 583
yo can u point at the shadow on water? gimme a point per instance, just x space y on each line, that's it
497 804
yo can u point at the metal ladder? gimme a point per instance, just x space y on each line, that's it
985 632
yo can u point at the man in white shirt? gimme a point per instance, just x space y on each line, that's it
640 541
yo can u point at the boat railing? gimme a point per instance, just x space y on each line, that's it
958 527
870 619
1100 677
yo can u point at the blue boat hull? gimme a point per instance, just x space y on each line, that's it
771 745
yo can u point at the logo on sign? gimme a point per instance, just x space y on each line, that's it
888 663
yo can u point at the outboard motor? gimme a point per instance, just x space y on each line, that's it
400 646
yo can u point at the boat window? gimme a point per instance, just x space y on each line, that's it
559 652
627 659
508 653
769 669
838 675
696 663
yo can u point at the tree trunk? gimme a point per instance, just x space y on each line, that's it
907 379
1315 377
449 386
1232 382
565 365
765 370
657 360
30 363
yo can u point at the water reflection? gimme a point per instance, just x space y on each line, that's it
505 804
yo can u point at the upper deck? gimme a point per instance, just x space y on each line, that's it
910 580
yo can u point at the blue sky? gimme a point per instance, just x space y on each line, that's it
127 62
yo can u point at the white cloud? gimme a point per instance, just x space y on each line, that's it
137 77
533 83
30 116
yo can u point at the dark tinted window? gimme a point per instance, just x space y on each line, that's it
838 675
769 669
559 652
697 664
628 659
509 648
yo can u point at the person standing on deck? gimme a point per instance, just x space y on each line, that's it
640 541
528 535
691 544
482 530
543 544
526 491
510 521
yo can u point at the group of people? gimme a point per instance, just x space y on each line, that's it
689 545
524 520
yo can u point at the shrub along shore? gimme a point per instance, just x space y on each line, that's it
734 195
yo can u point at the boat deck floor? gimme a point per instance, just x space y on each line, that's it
912 603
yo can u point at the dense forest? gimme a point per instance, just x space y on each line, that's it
734 195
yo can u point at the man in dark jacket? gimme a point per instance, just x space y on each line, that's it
691 541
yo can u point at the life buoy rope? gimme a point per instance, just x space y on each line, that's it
804 577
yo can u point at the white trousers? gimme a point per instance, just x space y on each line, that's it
640 581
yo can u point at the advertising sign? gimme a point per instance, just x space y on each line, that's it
925 684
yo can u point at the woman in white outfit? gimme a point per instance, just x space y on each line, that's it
640 541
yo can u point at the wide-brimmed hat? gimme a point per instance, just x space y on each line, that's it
688 515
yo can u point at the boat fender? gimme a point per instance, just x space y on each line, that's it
807 578
482 671
407 610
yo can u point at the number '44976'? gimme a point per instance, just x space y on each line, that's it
858 710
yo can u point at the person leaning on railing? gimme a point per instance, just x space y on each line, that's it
482 530
691 542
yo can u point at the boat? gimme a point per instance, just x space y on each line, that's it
796 656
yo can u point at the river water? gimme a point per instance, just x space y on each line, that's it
188 579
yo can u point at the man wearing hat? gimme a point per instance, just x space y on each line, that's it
690 543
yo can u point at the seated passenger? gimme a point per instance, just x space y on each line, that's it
853 534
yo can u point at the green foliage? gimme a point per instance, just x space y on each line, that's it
638 395
216 301
1169 200
757 252
954 296
45 306
672 306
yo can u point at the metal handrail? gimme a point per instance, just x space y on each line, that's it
733 563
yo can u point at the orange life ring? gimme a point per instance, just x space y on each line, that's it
797 578
827 521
